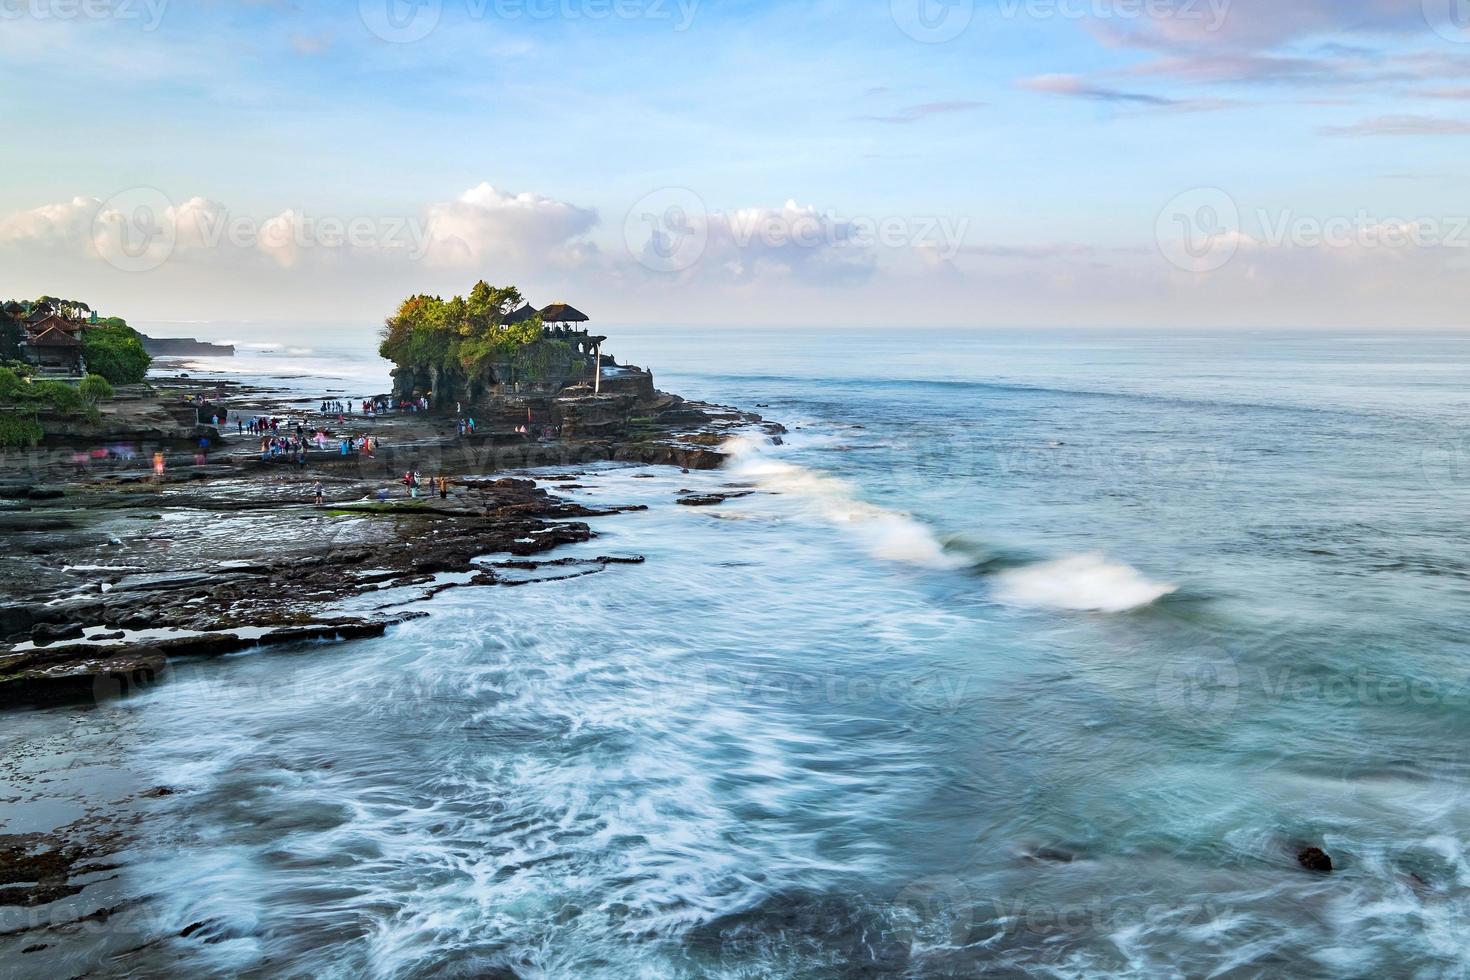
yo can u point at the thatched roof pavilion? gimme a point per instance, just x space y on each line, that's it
519 316
562 313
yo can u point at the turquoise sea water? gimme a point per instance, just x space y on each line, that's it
1036 655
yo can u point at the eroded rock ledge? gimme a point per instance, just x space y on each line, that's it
113 573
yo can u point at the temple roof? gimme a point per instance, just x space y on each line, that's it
562 313
521 315
54 337
48 322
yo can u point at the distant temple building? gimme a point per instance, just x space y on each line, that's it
48 340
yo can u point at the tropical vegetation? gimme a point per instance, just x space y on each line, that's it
115 351
464 333
112 349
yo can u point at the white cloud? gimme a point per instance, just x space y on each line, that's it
486 224
65 224
794 242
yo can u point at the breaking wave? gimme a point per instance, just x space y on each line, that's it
887 534
1084 583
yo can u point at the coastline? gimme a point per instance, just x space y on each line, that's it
120 569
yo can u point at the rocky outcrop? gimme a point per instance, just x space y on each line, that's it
114 574
184 347
545 366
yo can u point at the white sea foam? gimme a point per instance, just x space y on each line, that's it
1087 583
888 534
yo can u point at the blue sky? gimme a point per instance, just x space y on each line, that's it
1006 163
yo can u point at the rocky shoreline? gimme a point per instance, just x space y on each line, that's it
114 571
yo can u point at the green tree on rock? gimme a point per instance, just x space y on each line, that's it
116 353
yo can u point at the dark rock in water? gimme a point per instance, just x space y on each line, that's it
710 499
1051 855
44 633
32 877
158 792
118 635
843 931
1315 859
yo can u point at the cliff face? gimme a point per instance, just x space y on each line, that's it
545 366
184 347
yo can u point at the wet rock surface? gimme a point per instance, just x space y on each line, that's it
1315 859
114 570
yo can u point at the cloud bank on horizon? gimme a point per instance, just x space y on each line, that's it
955 162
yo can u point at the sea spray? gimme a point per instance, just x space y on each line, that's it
887 534
1085 583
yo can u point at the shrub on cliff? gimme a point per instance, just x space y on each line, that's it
10 384
18 431
94 388
58 396
116 353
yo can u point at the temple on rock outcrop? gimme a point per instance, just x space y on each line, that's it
500 355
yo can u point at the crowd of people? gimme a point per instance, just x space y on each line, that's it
373 406
413 481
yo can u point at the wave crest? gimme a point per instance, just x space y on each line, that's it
1083 583
888 534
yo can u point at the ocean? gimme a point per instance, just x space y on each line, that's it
1035 654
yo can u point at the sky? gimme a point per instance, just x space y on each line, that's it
992 163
